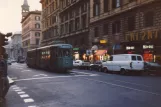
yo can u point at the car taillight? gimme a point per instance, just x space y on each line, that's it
131 64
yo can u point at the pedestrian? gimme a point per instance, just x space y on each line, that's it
4 80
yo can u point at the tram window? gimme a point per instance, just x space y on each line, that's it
66 52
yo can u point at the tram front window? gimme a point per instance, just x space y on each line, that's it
66 52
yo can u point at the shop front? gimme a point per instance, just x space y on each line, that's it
146 43
78 54
100 51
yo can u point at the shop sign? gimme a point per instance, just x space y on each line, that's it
75 49
148 46
144 35
103 41
130 47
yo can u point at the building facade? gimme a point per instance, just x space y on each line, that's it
126 26
66 20
50 21
31 27
16 46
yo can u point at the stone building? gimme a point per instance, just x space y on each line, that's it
31 27
50 21
126 26
66 20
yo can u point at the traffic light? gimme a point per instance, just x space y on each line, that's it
3 42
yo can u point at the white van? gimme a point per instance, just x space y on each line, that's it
124 63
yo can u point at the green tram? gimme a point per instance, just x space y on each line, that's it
56 58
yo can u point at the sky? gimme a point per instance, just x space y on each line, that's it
10 14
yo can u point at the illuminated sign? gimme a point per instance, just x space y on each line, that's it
130 47
75 49
103 41
143 35
148 46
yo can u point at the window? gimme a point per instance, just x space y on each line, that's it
105 29
116 3
66 27
84 7
37 25
37 18
37 34
71 25
139 58
106 4
84 23
96 8
133 58
77 23
77 11
96 31
149 19
131 23
116 27
37 41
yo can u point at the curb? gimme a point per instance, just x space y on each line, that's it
11 82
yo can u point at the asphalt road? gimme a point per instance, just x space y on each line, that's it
80 88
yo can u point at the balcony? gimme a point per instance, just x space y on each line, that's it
121 9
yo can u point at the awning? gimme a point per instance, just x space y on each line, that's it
101 52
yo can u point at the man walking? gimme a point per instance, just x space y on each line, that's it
4 83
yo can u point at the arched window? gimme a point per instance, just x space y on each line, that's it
37 25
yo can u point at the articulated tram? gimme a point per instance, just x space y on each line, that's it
56 58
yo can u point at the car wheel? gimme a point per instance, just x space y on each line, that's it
105 70
90 68
123 72
99 69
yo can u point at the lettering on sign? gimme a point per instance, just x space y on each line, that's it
144 35
148 46
130 47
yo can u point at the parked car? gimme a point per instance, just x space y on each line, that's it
85 65
124 63
13 60
9 62
77 63
152 68
21 59
96 66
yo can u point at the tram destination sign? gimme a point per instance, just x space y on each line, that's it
143 35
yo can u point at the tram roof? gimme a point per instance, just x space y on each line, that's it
56 45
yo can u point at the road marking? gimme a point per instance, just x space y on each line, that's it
18 90
82 72
32 106
29 100
26 71
28 79
24 95
132 83
40 75
21 92
14 86
153 93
